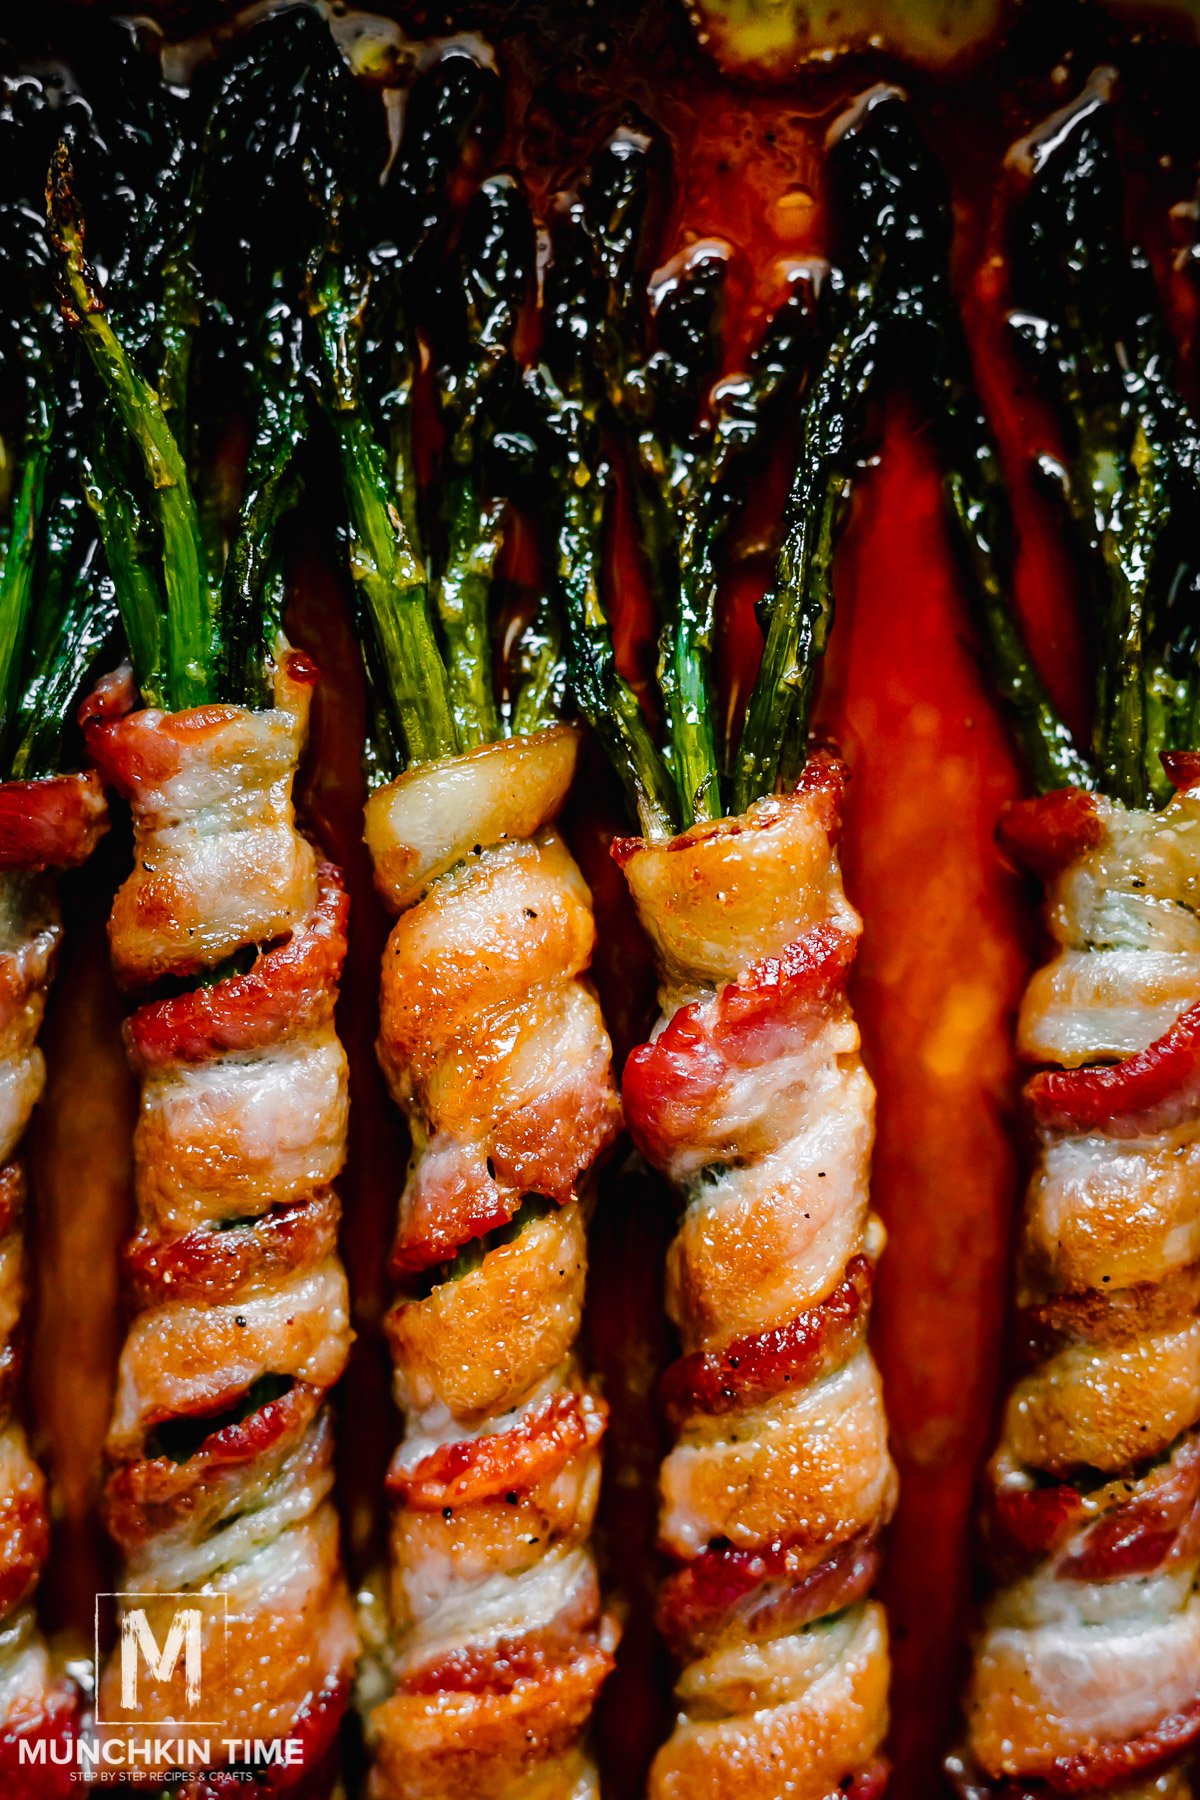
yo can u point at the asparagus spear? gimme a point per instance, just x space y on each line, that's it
54 612
1090 317
199 625
427 583
186 673
700 502
689 452
251 597
594 264
478 376
930 344
384 561
866 296
452 110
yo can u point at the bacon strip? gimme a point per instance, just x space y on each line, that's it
52 823
455 1475
1086 1673
44 825
220 1448
1154 1090
753 1100
494 1048
751 1369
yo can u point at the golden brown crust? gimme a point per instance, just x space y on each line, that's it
1087 1668
220 1447
802 1742
752 1098
43 824
493 1046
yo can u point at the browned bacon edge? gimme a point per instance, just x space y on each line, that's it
1130 1529
1142 1521
1100 1771
51 823
153 1500
46 824
493 1047
730 1595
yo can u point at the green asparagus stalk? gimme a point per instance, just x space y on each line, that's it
932 347
688 450
389 574
477 377
56 613
188 676
595 264
210 277
383 305
870 177
1090 317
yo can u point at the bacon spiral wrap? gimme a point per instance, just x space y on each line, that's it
1086 1674
752 1098
44 824
494 1048
220 1445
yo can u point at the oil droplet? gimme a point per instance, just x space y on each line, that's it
790 214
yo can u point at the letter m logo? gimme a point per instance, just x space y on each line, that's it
169 1663
139 1644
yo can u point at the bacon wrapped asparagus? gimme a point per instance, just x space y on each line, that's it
231 932
54 616
220 1445
1086 1671
494 1645
750 1096
46 823
753 1100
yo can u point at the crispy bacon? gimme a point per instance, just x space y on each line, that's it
680 1076
290 987
1085 1672
55 1721
473 1469
469 1742
450 1200
493 1046
498 1669
217 1265
761 1593
44 824
51 823
751 1097
220 1449
1046 834
751 1369
1106 1533
1107 1764
1182 767
247 879
823 779
155 1494
1155 1090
